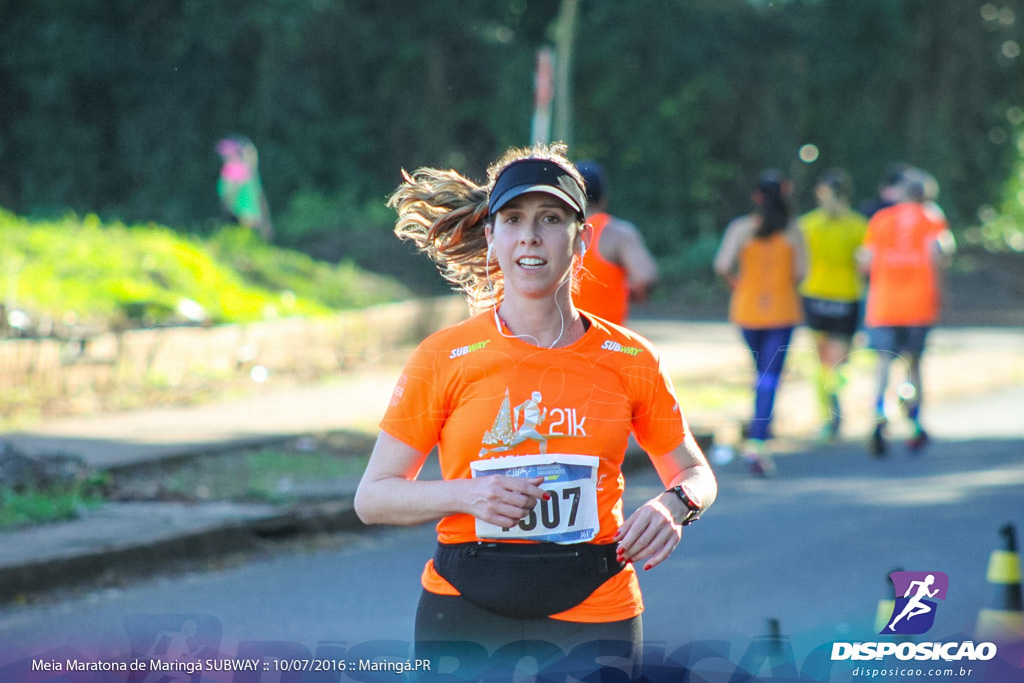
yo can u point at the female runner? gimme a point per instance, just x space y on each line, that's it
530 404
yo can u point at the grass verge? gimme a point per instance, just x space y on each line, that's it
318 467
53 504
306 468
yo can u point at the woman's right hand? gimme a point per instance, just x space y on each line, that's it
502 500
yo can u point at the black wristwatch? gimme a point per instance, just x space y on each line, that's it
691 501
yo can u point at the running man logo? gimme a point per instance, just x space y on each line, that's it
916 592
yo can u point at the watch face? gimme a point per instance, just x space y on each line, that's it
693 499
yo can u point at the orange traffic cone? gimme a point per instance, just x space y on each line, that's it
1003 620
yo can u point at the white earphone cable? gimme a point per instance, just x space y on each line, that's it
561 313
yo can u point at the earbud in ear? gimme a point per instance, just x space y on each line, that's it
583 250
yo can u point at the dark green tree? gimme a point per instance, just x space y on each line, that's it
114 106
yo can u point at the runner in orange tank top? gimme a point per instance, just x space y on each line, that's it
530 405
617 267
762 259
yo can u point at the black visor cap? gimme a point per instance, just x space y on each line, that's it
537 175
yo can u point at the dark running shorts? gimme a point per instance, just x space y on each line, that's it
898 340
837 318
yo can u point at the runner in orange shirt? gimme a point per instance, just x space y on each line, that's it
530 404
617 268
762 259
903 250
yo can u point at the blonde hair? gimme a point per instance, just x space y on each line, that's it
445 215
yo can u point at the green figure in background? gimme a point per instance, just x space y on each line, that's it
239 188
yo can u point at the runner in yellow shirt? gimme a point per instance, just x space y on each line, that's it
833 287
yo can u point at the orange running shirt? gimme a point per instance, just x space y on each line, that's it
903 289
604 286
477 394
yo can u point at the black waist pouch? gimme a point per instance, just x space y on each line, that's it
526 580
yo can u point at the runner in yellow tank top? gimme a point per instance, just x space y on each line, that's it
833 288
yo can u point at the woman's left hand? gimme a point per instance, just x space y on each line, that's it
649 535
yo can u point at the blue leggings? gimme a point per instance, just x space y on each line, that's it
769 347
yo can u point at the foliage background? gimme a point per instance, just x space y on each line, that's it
77 276
113 106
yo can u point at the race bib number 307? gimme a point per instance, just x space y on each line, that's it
569 516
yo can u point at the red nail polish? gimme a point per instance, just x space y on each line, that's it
547 496
647 567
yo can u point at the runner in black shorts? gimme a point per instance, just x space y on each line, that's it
906 247
833 288
835 318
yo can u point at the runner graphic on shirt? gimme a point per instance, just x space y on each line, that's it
504 435
533 416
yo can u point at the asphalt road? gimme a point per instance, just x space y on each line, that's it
811 549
